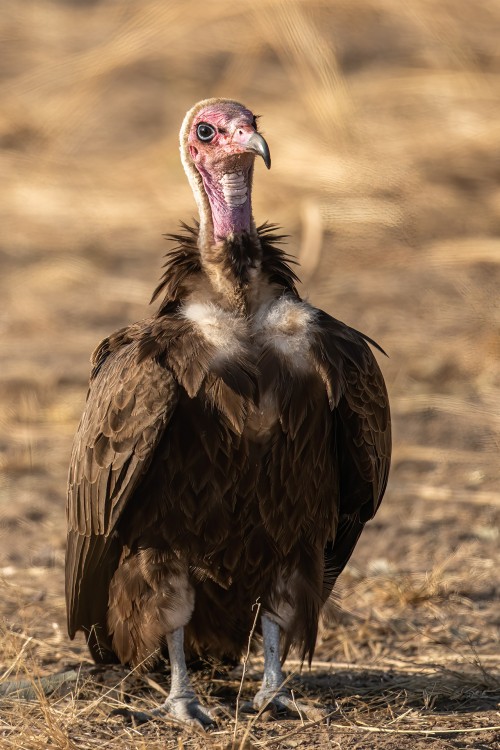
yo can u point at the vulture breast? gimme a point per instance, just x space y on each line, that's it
276 339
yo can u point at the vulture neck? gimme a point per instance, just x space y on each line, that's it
228 240
229 197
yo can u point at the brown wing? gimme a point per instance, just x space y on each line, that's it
360 410
129 403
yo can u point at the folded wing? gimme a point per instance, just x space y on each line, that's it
129 403
362 432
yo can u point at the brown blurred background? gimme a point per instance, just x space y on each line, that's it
383 120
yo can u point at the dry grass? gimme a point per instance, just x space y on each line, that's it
387 699
383 120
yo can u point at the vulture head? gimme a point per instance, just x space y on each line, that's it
219 141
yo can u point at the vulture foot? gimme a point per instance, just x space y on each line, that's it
186 710
282 702
182 704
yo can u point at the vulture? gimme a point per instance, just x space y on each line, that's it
232 447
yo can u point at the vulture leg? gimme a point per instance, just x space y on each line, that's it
182 703
273 691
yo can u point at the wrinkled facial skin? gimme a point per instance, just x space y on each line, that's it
226 151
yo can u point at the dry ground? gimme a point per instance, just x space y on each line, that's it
383 120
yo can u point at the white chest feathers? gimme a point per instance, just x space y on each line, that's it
225 331
285 325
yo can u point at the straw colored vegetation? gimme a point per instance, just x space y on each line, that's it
383 119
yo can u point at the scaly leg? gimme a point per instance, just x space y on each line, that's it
273 691
182 703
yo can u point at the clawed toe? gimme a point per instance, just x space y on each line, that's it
281 702
189 712
278 701
131 716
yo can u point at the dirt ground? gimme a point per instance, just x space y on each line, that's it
383 120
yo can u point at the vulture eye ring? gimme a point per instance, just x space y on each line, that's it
205 132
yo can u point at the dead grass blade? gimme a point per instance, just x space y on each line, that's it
245 663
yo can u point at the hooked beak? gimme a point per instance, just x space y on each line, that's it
258 145
245 138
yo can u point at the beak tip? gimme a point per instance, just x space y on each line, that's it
266 157
258 145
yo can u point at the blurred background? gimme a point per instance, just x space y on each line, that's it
383 120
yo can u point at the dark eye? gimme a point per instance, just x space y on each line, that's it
205 132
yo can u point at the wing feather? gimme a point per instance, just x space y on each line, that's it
362 434
129 404
360 408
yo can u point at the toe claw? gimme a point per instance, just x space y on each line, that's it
139 717
189 712
271 704
248 707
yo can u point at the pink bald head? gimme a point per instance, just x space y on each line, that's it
219 139
223 136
